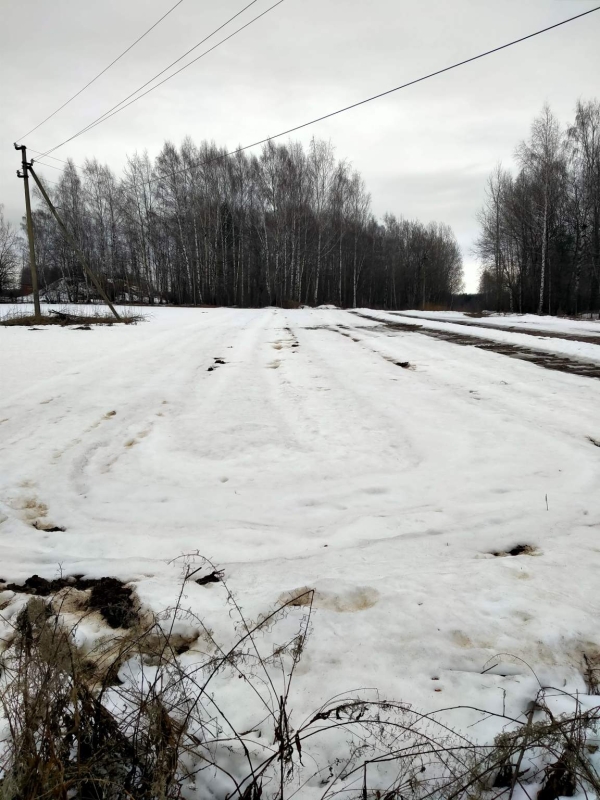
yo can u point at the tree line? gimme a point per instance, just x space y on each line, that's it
540 228
10 255
285 227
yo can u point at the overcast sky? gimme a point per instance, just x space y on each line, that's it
424 152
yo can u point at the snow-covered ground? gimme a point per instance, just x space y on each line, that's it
320 465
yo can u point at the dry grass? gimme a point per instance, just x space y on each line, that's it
65 319
76 726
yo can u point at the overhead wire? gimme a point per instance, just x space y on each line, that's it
54 158
112 63
115 109
53 166
41 163
70 162
47 180
364 101
382 94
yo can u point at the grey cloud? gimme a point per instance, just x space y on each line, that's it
424 152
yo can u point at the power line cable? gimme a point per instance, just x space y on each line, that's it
62 160
39 152
381 94
47 180
52 166
369 99
115 109
41 163
112 63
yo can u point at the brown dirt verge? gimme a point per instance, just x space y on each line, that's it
64 320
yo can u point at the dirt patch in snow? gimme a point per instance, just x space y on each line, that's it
216 576
359 598
41 526
111 597
518 550
218 361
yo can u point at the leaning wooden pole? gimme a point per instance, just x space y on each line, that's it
35 288
73 244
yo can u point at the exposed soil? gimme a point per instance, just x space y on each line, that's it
519 550
213 577
587 369
40 526
114 601
109 596
560 781
217 363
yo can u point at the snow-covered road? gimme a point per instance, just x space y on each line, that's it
309 458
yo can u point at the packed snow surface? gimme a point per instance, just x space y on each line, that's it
311 459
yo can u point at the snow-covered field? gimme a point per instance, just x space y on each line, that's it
319 465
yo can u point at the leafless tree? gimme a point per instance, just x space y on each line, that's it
9 253
540 229
284 227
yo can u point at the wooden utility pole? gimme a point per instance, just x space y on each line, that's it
73 244
32 265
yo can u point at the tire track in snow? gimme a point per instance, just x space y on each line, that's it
236 449
364 452
531 398
539 355
139 380
206 467
541 333
452 429
186 368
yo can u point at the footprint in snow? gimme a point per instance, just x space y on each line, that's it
359 598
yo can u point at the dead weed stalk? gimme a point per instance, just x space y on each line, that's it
152 718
